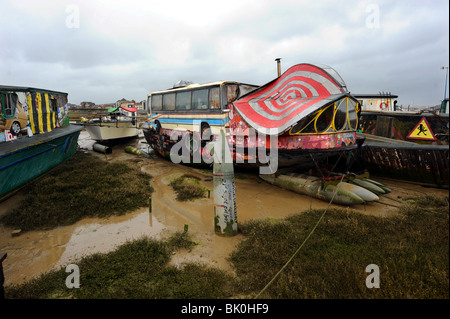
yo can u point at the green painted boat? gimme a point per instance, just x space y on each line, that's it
29 157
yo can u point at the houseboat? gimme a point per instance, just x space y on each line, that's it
35 134
411 145
303 119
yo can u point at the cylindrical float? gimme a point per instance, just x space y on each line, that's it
102 148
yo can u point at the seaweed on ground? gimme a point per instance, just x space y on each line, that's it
187 187
83 186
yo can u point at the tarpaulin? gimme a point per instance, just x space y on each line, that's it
128 109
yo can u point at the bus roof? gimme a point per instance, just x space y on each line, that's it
195 86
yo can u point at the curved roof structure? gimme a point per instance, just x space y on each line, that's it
278 105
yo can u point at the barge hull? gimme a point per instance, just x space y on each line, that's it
29 157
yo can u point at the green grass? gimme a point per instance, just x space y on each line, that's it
83 186
187 187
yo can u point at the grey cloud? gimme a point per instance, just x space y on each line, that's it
109 58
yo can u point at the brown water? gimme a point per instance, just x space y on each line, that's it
33 253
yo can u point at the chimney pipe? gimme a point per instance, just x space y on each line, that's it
278 66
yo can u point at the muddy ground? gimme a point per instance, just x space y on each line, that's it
33 253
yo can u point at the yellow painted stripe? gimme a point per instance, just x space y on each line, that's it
47 105
30 113
54 119
39 111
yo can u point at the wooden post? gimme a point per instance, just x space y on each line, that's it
225 215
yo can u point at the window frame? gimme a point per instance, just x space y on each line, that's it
166 95
207 99
7 100
356 110
220 107
190 101
152 104
343 102
192 91
330 123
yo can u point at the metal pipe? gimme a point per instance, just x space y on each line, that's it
101 148
278 66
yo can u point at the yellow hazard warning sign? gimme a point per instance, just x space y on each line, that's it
422 131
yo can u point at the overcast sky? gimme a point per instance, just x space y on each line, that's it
102 51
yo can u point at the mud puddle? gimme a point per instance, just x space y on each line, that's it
35 252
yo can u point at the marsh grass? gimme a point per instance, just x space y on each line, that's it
188 187
411 250
83 186
181 240
138 269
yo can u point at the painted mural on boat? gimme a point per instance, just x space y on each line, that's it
27 111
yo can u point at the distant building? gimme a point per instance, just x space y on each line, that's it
71 105
140 105
87 104
377 102
125 103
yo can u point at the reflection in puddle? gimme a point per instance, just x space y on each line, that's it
103 237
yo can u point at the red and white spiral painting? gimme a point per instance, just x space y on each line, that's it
302 89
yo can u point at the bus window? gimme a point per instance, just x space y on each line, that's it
183 101
149 104
244 89
200 99
156 102
214 98
169 101
232 92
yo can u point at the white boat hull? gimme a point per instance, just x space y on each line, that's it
110 132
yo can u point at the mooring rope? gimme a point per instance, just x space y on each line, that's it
303 243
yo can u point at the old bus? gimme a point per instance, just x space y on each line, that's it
308 109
